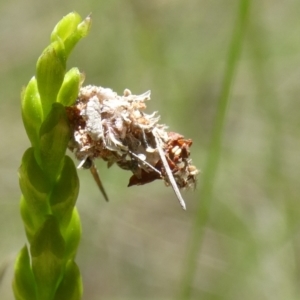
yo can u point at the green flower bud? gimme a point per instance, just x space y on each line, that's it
54 138
65 27
23 284
64 194
81 31
50 72
84 27
69 90
72 234
32 112
47 251
34 185
71 286
32 220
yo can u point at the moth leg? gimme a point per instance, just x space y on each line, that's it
96 176
87 163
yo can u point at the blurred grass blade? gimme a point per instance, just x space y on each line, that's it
210 170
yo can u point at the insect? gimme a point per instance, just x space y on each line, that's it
116 129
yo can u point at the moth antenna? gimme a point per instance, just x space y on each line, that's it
168 170
96 176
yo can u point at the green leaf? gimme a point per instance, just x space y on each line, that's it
32 112
65 192
71 285
47 251
69 90
65 27
50 72
54 137
23 284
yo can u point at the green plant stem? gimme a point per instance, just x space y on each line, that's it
211 167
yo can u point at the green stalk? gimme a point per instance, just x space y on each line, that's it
45 269
214 152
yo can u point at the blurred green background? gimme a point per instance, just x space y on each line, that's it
239 238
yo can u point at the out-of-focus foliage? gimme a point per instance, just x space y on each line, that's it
135 246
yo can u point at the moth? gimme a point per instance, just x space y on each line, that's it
117 129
